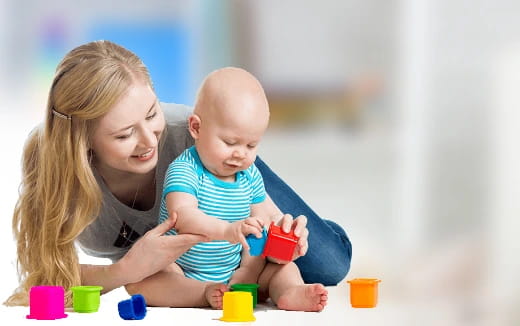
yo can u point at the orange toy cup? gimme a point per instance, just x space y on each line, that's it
363 292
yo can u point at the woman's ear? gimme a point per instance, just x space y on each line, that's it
194 125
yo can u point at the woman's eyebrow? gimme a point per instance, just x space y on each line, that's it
128 127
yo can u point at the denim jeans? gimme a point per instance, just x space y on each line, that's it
328 259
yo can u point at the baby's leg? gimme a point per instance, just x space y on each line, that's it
170 288
288 291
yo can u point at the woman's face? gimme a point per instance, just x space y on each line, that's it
126 138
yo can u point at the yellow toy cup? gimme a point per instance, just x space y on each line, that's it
247 287
363 292
238 307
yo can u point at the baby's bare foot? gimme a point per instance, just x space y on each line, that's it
214 293
307 297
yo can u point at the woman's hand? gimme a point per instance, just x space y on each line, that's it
154 251
299 225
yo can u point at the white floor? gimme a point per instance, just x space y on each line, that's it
337 312
352 181
390 310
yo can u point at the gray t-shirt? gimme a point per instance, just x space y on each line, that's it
118 226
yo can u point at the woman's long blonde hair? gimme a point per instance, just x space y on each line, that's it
59 195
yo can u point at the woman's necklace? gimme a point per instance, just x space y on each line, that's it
124 234
135 196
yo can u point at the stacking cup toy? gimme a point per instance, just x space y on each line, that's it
46 302
245 287
256 245
86 298
363 292
133 308
238 307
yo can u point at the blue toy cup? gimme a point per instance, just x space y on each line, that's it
256 245
133 308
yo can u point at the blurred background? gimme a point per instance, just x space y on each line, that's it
399 120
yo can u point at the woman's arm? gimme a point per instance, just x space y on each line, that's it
151 253
110 277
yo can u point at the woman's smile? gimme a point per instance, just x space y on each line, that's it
145 156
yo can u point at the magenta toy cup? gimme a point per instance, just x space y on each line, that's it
46 302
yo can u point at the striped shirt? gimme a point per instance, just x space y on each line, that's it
213 261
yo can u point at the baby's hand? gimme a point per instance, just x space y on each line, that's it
237 231
299 225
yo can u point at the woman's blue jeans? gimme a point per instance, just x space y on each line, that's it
328 259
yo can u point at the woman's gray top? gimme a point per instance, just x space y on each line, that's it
118 226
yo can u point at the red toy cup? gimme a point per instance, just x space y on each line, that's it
279 244
46 302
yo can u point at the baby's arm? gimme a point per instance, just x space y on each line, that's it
268 212
190 219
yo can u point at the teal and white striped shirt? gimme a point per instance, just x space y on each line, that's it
213 261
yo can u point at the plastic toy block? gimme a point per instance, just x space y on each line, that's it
247 287
279 244
363 292
86 299
46 302
133 308
256 245
237 307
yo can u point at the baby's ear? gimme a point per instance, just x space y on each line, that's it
194 125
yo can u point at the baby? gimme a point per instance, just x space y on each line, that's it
217 191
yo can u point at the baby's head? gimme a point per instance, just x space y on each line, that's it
230 117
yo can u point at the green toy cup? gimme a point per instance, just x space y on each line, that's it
245 287
86 298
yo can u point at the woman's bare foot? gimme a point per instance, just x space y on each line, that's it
307 297
214 293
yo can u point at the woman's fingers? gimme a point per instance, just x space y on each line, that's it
184 239
165 226
244 243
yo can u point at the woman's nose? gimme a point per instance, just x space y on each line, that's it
148 138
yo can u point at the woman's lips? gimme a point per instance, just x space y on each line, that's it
145 156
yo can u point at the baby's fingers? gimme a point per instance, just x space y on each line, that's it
244 243
252 229
256 222
303 244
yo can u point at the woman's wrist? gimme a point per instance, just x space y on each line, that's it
123 272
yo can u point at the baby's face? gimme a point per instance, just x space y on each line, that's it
228 143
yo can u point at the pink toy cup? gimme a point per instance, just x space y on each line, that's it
46 302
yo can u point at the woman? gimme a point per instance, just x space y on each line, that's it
92 175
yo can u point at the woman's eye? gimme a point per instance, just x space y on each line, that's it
121 137
150 117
